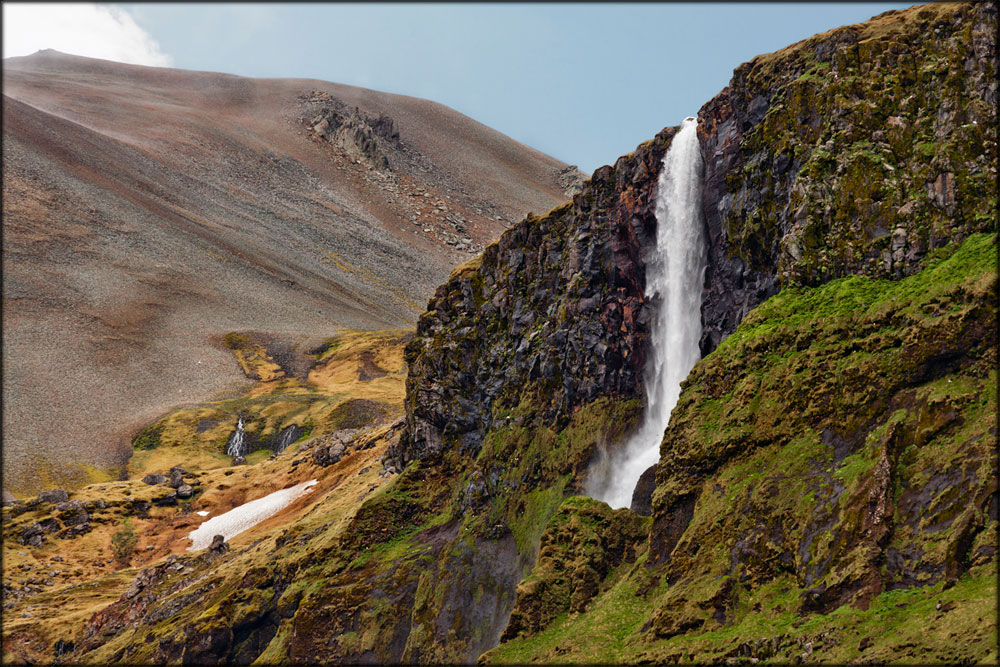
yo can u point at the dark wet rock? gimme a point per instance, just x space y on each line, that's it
168 498
155 478
219 544
642 497
557 304
139 507
176 477
285 437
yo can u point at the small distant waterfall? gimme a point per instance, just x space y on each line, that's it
236 446
673 281
288 435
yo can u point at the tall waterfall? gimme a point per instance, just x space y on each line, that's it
237 441
674 278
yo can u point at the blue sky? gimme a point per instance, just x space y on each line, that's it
582 82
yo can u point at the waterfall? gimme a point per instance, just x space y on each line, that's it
674 278
288 435
237 440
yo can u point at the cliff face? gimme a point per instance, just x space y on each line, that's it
826 491
554 311
859 152
856 151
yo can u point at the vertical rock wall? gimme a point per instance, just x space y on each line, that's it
856 151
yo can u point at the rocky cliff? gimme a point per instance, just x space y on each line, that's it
859 152
856 151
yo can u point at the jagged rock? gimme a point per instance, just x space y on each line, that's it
219 545
176 477
32 535
356 133
72 513
168 498
775 220
53 496
571 179
155 478
185 491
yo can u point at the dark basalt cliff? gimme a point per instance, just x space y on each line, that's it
555 310
859 152
856 151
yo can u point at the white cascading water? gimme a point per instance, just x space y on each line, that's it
236 441
674 278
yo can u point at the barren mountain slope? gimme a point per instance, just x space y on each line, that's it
148 211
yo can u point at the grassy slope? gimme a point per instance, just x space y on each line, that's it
355 366
830 356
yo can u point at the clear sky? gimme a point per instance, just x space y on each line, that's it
584 83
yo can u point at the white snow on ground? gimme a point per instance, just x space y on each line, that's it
202 513
246 516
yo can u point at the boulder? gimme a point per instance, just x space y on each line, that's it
32 535
154 478
219 545
176 477
72 513
184 491
53 496
169 498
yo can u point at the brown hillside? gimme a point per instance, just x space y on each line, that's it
149 211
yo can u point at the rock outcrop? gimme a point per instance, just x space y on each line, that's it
856 151
357 133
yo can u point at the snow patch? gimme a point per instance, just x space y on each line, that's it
202 513
246 516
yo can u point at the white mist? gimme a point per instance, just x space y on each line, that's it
674 279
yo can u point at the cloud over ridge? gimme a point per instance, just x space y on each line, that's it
83 29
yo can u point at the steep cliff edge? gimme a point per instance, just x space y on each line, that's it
856 151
